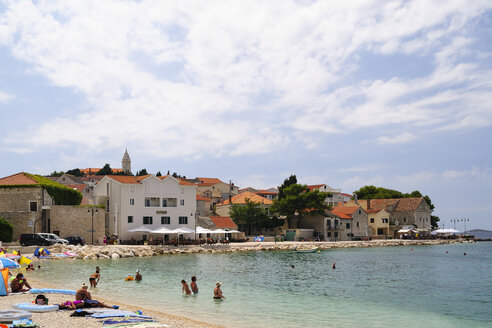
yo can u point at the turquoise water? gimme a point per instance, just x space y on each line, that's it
371 287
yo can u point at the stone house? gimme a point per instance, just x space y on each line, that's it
203 205
402 211
224 208
378 221
342 223
30 209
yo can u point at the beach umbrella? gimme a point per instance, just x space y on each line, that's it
182 230
203 230
8 264
163 230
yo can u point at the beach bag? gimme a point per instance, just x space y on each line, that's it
41 300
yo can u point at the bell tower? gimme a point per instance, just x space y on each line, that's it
126 163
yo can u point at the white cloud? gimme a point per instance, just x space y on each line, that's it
402 138
186 78
4 97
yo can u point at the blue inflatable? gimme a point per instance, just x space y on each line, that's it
52 291
31 307
38 251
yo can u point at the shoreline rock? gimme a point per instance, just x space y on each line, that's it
124 251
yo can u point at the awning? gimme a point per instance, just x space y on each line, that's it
182 230
141 229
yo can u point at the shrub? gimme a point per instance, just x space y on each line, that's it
6 230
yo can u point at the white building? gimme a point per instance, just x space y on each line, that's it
149 201
337 196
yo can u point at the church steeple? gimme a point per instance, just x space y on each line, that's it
126 163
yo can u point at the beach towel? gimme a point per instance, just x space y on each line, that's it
107 313
140 325
125 320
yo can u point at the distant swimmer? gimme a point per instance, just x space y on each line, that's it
129 278
218 292
464 254
185 288
293 266
333 266
94 279
138 276
194 287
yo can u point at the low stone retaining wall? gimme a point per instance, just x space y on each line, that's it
122 251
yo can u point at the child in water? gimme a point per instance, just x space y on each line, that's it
194 287
185 288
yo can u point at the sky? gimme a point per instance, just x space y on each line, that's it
396 94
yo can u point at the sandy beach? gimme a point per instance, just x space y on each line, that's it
57 319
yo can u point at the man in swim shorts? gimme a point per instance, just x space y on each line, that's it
194 287
82 294
185 288
17 284
218 292
94 279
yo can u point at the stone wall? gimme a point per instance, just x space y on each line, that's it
77 221
14 207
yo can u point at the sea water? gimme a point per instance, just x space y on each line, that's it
418 286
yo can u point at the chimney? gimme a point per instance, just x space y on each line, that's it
368 204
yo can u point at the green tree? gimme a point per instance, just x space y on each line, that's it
159 174
287 182
297 201
6 230
142 172
106 170
56 174
75 172
251 217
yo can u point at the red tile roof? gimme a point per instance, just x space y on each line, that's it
79 187
208 181
17 179
267 192
223 222
241 199
198 197
312 187
400 204
95 170
344 212
348 195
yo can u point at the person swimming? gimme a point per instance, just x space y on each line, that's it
218 292
138 276
194 287
185 288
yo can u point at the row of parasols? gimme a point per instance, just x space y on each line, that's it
181 230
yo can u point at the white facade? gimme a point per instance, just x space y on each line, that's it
152 202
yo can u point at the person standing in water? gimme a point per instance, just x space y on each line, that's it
194 287
94 279
218 292
138 276
185 288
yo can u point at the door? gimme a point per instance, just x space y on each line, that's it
290 235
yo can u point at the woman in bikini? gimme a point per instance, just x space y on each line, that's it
94 279
185 288
218 292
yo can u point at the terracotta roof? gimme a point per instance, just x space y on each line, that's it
267 192
79 187
312 187
400 204
91 177
95 170
17 179
198 197
345 212
241 199
208 181
348 195
223 222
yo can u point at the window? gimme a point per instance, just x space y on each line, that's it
347 225
165 220
147 220
360 211
181 202
357 224
107 188
183 220
169 202
329 233
33 206
336 234
132 201
405 220
385 220
336 223
372 220
152 202
107 205
130 219
328 223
